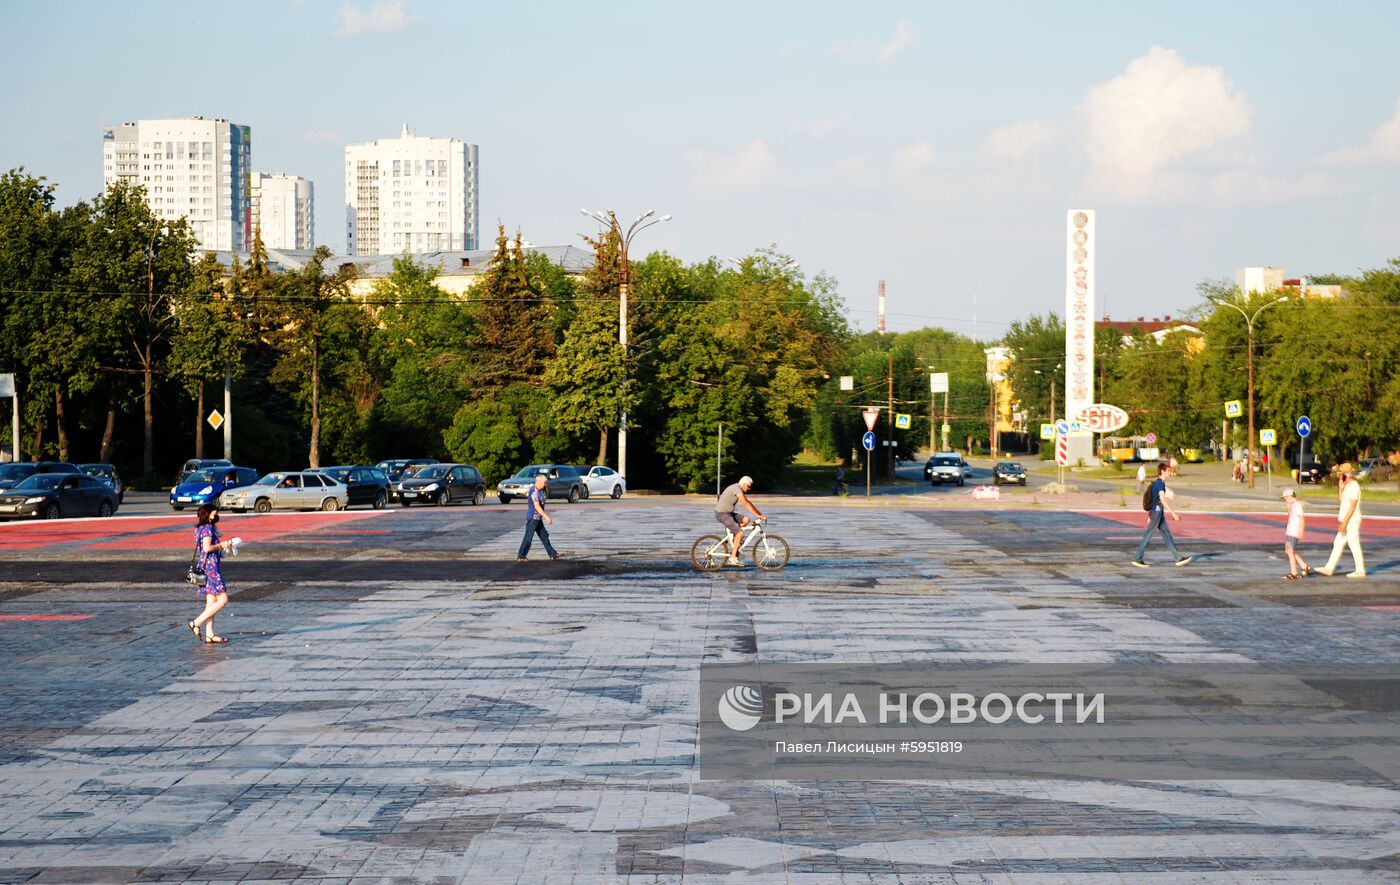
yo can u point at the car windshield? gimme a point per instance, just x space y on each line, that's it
434 472
43 481
532 471
202 476
15 471
271 479
947 462
1010 465
337 473
96 470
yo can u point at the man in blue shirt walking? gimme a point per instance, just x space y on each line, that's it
1158 511
535 521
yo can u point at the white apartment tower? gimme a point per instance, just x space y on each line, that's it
411 194
191 168
283 210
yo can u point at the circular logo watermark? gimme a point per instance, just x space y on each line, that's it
741 707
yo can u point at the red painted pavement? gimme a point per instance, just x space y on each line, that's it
169 532
1252 528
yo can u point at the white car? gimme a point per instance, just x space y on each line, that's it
302 490
602 481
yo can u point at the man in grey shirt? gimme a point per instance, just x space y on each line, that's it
727 515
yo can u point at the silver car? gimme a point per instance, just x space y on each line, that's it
602 481
301 490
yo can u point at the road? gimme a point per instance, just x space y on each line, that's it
401 699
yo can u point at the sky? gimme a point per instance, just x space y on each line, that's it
934 146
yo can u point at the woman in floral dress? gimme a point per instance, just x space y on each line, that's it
209 554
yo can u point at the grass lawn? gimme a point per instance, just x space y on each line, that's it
811 475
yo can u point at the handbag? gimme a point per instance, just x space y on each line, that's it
195 576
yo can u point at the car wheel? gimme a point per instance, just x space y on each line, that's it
104 509
504 499
583 492
330 505
379 501
573 495
479 498
52 512
262 505
617 492
443 498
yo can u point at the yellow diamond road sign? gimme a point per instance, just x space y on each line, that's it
216 420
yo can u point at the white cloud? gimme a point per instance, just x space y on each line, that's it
1158 112
385 17
875 51
1019 141
1384 148
727 172
819 128
913 159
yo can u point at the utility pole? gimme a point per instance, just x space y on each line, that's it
228 413
889 460
1253 446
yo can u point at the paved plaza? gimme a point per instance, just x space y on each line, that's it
401 701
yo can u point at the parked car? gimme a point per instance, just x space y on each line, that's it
443 484
394 468
108 474
1374 470
54 495
12 474
195 464
1312 470
208 485
364 485
300 490
946 467
601 480
967 468
1008 472
564 482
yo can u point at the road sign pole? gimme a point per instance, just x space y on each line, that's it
1270 451
867 474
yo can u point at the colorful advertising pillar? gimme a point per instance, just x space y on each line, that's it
1080 246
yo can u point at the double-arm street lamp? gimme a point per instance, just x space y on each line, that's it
1249 359
639 224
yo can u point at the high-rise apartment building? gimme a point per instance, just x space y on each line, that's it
283 210
191 168
411 194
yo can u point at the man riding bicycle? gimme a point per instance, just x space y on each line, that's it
726 513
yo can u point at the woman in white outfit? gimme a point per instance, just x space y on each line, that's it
1348 523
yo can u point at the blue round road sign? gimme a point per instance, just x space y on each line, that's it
1304 426
868 440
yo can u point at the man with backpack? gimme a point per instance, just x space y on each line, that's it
1154 501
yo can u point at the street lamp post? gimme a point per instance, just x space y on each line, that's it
639 224
1249 360
1053 376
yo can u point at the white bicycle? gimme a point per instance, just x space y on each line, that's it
770 552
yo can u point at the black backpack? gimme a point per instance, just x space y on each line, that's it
1147 498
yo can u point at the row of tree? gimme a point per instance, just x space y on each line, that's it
116 327
1336 360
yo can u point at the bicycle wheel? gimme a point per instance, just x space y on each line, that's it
771 553
708 553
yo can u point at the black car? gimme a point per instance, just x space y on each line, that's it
396 469
563 482
442 484
54 495
1312 470
108 474
1008 472
12 474
367 485
196 464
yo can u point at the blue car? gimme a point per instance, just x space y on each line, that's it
205 486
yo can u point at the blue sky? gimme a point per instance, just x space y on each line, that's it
934 146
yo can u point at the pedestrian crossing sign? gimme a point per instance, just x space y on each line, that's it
902 421
1234 408
1268 438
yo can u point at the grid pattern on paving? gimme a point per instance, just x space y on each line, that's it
503 722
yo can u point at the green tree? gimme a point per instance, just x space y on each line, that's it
209 336
135 263
311 303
